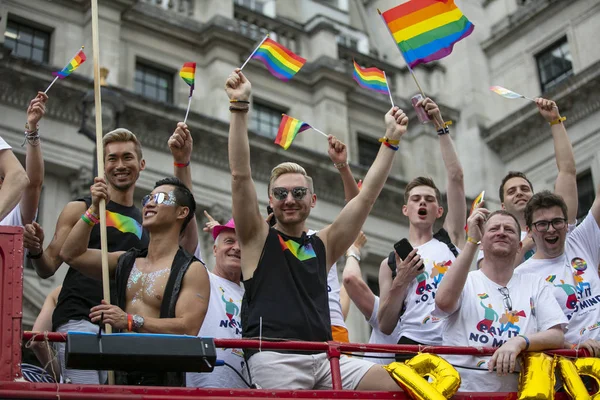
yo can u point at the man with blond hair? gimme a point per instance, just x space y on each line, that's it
285 270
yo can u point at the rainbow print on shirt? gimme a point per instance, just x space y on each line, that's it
302 253
123 223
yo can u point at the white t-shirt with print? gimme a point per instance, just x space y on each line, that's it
333 293
223 321
417 323
483 320
378 337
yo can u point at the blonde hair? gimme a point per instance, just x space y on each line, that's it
289 168
123 135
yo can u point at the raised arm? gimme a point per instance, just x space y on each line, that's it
181 145
14 183
393 291
339 155
190 309
566 181
47 261
447 297
34 162
338 236
43 323
357 289
455 188
75 251
251 228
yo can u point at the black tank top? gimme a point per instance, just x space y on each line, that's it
79 292
289 291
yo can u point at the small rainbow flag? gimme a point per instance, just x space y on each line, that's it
281 62
478 200
288 129
188 74
71 66
483 296
426 30
370 78
504 92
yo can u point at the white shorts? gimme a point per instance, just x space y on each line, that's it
272 370
78 375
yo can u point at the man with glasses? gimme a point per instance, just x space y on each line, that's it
567 261
523 307
147 279
285 270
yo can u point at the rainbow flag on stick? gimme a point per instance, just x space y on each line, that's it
188 74
280 62
372 79
426 30
75 62
289 128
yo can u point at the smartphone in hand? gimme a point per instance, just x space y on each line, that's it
403 249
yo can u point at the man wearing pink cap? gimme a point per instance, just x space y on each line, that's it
223 318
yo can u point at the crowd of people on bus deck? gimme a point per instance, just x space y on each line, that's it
273 277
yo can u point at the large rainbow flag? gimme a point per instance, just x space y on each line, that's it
426 30
71 66
288 129
370 78
280 61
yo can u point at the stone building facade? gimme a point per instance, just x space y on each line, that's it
535 47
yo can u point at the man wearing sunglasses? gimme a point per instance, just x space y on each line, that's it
495 307
567 260
160 289
284 269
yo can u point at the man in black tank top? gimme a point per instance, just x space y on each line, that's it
160 289
284 270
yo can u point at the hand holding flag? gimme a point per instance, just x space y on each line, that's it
76 61
188 74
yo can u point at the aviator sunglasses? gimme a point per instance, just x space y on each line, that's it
168 199
281 193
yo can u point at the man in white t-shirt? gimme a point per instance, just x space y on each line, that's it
223 319
493 307
411 293
516 190
568 262
366 301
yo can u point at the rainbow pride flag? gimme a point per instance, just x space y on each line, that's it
370 78
281 62
426 30
288 129
188 74
71 66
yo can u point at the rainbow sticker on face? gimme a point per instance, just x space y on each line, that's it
579 264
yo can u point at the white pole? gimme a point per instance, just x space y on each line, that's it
255 50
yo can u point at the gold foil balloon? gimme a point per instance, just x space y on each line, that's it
537 379
573 384
411 377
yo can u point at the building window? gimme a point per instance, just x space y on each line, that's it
347 41
254 5
585 193
555 64
265 120
27 42
368 147
154 83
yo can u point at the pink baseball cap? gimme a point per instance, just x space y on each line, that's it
217 229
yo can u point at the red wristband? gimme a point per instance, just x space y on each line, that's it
181 165
130 322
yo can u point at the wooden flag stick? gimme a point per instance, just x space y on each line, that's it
255 50
402 54
100 159
387 84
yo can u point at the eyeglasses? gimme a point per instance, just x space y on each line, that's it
506 298
281 193
168 199
557 223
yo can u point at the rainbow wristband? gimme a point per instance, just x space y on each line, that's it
391 146
181 165
92 217
87 220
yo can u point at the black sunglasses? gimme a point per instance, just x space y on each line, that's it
506 298
281 193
